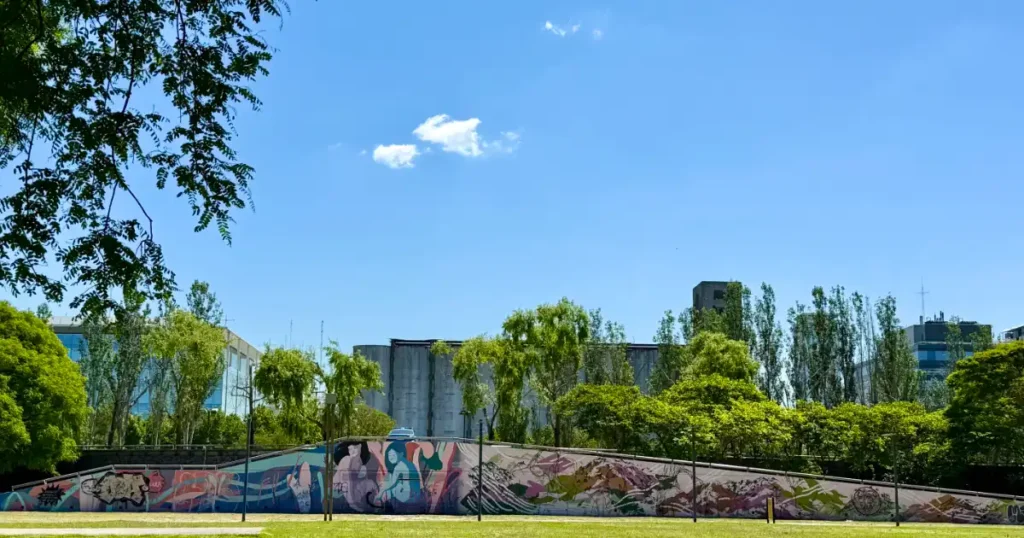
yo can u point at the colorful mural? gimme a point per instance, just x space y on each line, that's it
439 477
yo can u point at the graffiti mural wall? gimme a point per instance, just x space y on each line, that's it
439 477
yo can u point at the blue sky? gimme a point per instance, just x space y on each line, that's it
868 144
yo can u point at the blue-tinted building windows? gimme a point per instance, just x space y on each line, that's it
225 396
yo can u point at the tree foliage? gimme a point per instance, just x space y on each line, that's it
986 412
896 377
76 112
292 381
122 381
605 359
801 351
767 347
192 351
203 303
671 358
42 395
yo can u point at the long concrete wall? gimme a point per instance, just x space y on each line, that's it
441 477
420 392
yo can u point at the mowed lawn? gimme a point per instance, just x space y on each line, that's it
287 526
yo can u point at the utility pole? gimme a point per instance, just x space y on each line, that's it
329 400
248 447
321 343
480 474
693 471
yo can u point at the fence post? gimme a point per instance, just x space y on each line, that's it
480 474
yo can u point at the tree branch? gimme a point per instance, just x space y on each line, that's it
40 31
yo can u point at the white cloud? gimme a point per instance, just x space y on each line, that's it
395 155
575 28
554 29
455 136
362 152
508 143
597 33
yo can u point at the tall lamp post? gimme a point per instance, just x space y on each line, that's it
248 447
693 471
330 399
895 474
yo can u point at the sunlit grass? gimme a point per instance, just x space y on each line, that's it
287 526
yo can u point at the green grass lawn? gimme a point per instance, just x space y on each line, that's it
285 526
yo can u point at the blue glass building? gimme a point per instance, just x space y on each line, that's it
226 395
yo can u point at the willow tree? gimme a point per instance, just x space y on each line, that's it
292 381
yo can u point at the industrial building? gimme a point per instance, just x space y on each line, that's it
224 397
421 393
709 294
1016 333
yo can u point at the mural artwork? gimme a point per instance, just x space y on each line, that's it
438 477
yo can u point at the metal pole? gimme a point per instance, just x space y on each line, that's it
330 465
896 478
248 449
480 474
693 471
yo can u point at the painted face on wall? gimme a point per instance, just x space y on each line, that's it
353 450
392 457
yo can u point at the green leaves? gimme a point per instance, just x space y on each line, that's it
285 377
192 351
71 122
42 395
986 413
289 379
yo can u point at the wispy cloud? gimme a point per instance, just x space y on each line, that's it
362 152
560 31
455 136
508 143
395 155
597 33
557 30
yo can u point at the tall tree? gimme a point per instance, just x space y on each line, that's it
845 347
348 376
671 357
130 361
801 351
203 303
559 334
467 363
605 360
290 380
43 312
194 351
935 393
896 377
73 119
768 346
737 316
982 339
864 321
824 373
42 395
96 351
986 414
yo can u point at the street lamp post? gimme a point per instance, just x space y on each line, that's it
330 399
248 448
895 475
693 471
